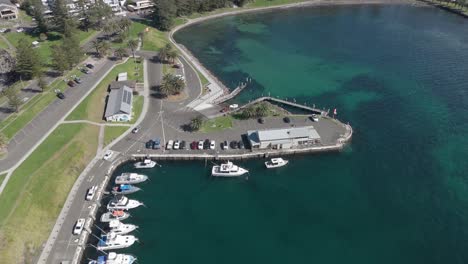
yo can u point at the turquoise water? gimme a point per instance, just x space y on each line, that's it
397 194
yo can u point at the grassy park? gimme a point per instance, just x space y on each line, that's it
38 189
113 132
217 124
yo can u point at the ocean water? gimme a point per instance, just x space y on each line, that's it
397 194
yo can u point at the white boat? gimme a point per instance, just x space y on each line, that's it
114 258
112 241
276 163
130 178
145 164
120 228
114 215
121 202
228 170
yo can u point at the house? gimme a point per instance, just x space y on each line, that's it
140 5
8 10
283 138
117 85
119 105
122 77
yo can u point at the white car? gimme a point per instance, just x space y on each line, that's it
3 30
212 144
225 145
108 155
176 144
79 226
169 144
19 30
90 193
200 144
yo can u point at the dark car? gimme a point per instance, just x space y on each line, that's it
61 96
84 70
149 144
89 65
182 144
233 144
261 121
71 83
77 79
287 120
156 143
206 144
240 144
194 145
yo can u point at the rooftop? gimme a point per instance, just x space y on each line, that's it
119 102
283 134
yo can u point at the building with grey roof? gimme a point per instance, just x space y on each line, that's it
119 105
283 138
117 85
8 10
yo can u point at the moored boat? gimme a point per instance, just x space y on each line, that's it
112 241
114 258
120 228
145 164
276 163
114 215
121 202
125 189
130 178
228 170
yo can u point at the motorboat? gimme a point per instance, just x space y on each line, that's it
121 202
114 258
112 241
130 178
114 215
145 164
276 163
125 189
120 228
228 170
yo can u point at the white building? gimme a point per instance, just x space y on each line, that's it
140 5
8 10
119 105
283 138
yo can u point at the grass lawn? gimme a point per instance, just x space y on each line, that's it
15 122
113 132
137 108
92 108
38 189
154 39
2 177
3 44
216 124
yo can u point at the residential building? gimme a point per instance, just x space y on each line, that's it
8 10
119 84
140 5
283 138
119 105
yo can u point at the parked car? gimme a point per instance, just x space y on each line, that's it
77 79
176 144
90 193
71 83
156 143
19 30
3 30
89 65
182 144
314 118
240 144
60 95
206 144
136 129
79 226
225 145
193 145
200 144
149 144
233 144
212 144
108 155
169 144
287 119
261 121
84 70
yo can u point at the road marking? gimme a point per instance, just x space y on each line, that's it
90 179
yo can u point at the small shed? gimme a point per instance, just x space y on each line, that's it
122 77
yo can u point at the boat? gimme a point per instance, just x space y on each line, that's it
120 228
130 178
112 241
228 170
124 189
276 163
120 202
114 215
114 258
145 164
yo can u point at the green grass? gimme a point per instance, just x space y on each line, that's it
216 124
38 189
113 132
137 107
3 44
168 69
154 40
93 106
15 122
2 177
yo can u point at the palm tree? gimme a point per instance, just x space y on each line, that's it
163 53
96 45
262 110
42 83
133 45
196 123
104 48
108 28
166 87
120 52
172 55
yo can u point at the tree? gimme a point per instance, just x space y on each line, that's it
3 143
196 123
7 62
60 15
102 47
59 59
172 55
261 110
38 14
164 13
14 101
42 83
97 13
163 54
71 44
120 53
133 45
171 85
28 62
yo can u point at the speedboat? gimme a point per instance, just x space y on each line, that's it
112 241
228 170
145 164
121 202
114 258
130 178
120 228
276 163
125 189
114 215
